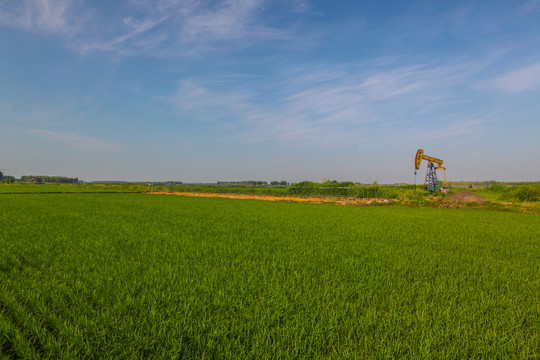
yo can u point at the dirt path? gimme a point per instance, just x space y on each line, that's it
528 208
314 199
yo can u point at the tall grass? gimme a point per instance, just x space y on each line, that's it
307 191
521 193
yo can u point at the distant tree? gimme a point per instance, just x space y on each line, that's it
242 183
1 176
278 183
40 179
307 183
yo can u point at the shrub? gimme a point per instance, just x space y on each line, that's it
497 188
523 193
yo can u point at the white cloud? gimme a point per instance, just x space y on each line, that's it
165 28
519 80
325 105
119 42
226 21
50 16
194 28
79 142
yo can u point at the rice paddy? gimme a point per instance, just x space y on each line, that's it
152 276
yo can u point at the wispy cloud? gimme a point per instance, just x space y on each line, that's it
50 16
519 80
121 43
162 28
199 102
229 20
80 142
324 105
454 129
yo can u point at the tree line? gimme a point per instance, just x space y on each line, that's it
42 179
251 183
6 179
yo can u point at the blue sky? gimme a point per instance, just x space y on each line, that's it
201 91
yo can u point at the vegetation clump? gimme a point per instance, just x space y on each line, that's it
530 193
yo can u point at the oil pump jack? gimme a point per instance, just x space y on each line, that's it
431 183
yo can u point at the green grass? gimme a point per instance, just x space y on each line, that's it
516 194
28 188
153 276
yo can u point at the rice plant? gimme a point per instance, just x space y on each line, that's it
151 276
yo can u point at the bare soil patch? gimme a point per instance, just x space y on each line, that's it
465 196
311 199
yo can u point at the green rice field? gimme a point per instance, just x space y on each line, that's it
139 276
